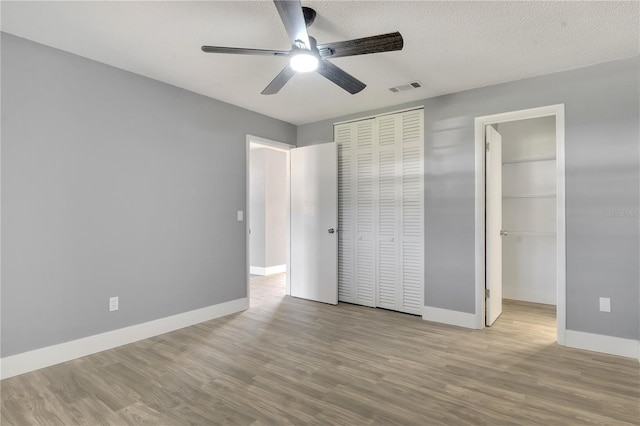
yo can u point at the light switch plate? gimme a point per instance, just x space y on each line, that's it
240 215
605 304
113 304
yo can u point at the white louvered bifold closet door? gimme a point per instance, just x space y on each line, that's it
365 213
380 211
389 204
412 217
343 136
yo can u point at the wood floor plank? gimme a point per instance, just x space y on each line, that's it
291 361
92 411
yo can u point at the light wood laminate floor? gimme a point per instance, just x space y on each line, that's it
290 361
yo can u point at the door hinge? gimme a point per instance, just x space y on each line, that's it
486 146
487 293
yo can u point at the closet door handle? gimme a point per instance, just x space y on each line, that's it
331 230
503 233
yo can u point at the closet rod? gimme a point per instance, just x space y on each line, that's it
529 234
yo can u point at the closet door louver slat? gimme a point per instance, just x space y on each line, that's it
412 283
387 275
411 193
387 265
387 193
364 225
387 131
412 128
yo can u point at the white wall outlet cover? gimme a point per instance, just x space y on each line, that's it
113 304
240 215
605 304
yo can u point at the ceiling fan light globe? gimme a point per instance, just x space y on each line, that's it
304 62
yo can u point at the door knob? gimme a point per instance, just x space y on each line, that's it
331 230
503 233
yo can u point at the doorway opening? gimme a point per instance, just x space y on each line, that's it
267 219
520 218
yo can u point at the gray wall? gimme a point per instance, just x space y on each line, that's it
114 184
276 208
602 181
268 181
257 205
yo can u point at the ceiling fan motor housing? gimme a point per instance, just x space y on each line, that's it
309 16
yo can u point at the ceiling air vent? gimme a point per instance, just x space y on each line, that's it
405 87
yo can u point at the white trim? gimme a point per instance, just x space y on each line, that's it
480 225
445 316
561 261
379 115
269 270
480 124
44 357
600 343
271 144
1 275
247 216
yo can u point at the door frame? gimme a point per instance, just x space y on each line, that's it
556 111
277 146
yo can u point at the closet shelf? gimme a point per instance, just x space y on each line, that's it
531 234
530 196
530 159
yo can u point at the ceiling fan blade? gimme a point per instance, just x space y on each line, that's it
243 51
362 46
340 77
279 82
293 19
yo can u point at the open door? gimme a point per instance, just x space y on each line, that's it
314 215
494 232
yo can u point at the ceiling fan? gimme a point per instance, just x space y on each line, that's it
306 55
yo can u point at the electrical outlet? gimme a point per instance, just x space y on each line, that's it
605 304
113 304
240 215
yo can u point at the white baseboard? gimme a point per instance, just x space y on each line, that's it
600 343
529 296
445 316
270 270
39 358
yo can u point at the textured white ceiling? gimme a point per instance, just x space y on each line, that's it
449 46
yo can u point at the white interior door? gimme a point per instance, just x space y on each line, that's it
493 225
314 215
